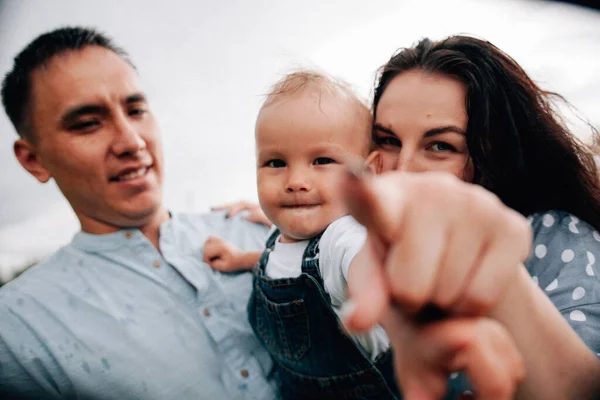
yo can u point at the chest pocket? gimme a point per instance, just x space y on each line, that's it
282 327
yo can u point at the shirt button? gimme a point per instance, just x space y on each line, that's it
206 312
128 235
244 373
156 264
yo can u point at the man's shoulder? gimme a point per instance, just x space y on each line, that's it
40 277
236 229
213 220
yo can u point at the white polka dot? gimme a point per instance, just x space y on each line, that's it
577 316
573 225
553 285
535 280
591 258
589 270
540 251
548 220
596 236
578 293
530 219
453 375
567 255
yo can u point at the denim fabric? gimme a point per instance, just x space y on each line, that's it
316 359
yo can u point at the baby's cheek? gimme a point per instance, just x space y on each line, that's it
268 198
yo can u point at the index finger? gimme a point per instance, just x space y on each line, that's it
376 202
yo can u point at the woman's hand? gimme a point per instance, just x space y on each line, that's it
433 240
425 355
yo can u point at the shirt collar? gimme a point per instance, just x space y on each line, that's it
93 243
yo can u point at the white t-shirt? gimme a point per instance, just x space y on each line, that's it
338 246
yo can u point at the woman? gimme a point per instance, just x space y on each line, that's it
463 107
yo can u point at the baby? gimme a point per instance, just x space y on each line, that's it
306 129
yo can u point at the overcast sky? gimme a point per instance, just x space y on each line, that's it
205 65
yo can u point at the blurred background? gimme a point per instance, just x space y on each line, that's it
206 64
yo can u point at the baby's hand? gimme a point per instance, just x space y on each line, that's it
222 255
225 257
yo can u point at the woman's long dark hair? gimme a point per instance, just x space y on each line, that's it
520 148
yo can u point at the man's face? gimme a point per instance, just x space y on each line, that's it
96 136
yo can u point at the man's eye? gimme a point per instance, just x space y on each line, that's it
323 161
275 164
137 112
84 125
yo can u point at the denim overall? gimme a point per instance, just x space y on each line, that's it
315 359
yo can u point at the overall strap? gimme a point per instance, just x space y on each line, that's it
310 259
273 239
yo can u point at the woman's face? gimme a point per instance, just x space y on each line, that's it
421 125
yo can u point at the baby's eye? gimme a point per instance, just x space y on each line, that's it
275 163
324 161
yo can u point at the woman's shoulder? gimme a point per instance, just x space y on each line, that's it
565 263
556 222
564 253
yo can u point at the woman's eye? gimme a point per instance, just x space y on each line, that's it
441 146
387 141
275 164
324 161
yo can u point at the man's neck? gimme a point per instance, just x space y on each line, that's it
149 228
152 229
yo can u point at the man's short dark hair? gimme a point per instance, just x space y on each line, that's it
16 87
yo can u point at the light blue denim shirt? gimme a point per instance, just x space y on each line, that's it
111 317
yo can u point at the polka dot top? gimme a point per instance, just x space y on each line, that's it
563 263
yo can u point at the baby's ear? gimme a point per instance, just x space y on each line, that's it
374 162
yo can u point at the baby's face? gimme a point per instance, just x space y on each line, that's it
302 141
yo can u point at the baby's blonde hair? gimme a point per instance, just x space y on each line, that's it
298 81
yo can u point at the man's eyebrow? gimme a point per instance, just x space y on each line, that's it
429 133
136 98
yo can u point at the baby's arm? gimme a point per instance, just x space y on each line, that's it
225 257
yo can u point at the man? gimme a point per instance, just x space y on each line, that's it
127 309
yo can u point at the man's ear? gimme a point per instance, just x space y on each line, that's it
374 162
30 160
